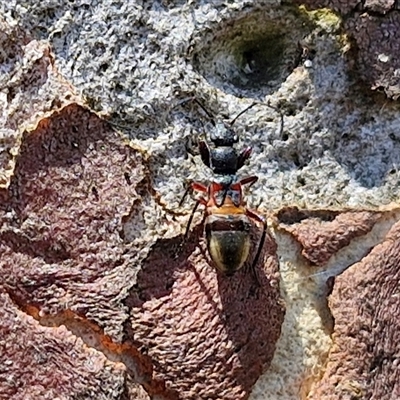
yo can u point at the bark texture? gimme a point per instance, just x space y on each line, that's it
364 359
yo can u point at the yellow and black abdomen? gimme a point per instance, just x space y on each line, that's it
228 240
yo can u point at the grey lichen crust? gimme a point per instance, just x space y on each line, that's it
339 147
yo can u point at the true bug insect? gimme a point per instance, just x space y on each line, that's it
227 224
226 219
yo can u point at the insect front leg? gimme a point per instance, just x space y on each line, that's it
205 153
250 180
193 186
243 157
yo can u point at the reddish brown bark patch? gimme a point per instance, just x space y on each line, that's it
60 231
210 336
39 362
323 233
60 238
364 362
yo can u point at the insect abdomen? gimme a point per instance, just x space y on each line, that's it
228 241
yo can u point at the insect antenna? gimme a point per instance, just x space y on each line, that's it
265 105
194 99
212 119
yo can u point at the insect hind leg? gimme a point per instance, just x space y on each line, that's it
198 202
202 201
261 243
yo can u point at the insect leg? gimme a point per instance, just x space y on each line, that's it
205 153
250 180
198 187
261 219
188 189
198 202
182 243
243 156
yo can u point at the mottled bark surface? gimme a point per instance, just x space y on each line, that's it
30 86
61 223
364 362
212 336
61 251
96 301
323 233
374 26
44 362
61 246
